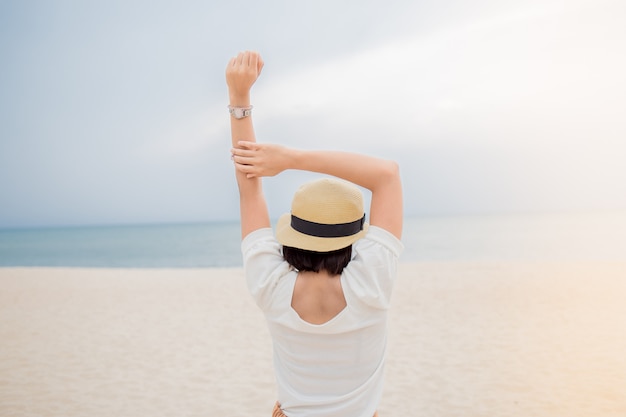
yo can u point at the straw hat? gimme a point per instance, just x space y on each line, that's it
326 215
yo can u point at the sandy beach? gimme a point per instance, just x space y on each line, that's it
466 339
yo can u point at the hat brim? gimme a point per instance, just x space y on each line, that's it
287 236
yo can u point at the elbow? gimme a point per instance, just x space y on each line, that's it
387 175
391 171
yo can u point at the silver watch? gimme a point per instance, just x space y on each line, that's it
240 112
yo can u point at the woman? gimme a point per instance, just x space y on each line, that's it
324 282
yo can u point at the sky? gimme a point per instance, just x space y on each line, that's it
115 112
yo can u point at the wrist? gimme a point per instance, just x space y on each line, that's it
239 99
295 158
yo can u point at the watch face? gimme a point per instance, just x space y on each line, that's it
240 113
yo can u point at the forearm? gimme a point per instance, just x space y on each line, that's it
241 73
380 176
367 171
253 208
242 129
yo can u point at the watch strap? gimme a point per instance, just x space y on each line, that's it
240 112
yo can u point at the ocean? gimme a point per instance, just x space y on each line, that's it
593 236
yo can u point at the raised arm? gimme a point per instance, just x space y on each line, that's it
380 176
241 73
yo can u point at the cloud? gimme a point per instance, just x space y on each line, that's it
515 111
198 130
488 106
528 71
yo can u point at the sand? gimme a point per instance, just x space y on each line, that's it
466 339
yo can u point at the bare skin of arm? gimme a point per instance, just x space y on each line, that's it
380 176
241 73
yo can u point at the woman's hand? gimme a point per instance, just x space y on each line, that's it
241 73
262 159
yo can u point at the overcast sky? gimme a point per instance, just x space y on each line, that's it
115 112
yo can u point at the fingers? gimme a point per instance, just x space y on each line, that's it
240 58
231 65
242 156
277 412
248 145
248 59
241 152
246 160
242 72
260 64
242 159
245 150
249 170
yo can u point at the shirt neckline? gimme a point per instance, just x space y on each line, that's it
300 319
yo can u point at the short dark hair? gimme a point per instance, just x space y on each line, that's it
332 262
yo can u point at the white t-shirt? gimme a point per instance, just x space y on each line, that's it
335 368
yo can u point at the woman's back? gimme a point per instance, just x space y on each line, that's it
317 296
329 333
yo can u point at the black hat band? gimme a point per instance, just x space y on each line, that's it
327 230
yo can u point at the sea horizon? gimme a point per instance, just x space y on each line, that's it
553 236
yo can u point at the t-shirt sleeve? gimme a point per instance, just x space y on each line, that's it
373 268
263 264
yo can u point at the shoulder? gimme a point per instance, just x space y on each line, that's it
264 265
376 238
262 253
370 275
259 239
